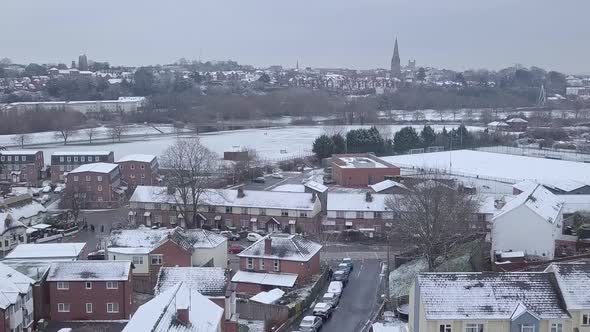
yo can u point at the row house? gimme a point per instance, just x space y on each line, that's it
557 187
139 170
12 233
22 167
209 281
97 185
151 249
36 270
66 161
16 301
241 209
70 251
90 290
277 260
367 213
555 300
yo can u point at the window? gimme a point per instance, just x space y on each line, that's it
556 327
261 264
359 215
61 159
132 166
249 263
244 210
75 159
132 176
9 158
285 213
137 260
69 159
277 265
586 319
474 327
88 308
339 214
142 166
211 208
82 159
303 214
112 284
121 167
112 307
88 285
143 176
63 285
95 159
156 259
99 178
263 212
228 209
75 178
1 158
527 328
61 168
63 307
445 328
99 188
87 178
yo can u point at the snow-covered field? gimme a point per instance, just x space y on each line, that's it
510 168
270 143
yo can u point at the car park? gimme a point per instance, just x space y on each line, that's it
310 324
323 310
331 298
335 287
341 276
236 248
230 235
253 237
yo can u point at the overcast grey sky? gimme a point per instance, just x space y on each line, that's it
456 34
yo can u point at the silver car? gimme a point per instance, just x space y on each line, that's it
310 324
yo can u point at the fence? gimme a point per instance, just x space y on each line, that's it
561 154
270 313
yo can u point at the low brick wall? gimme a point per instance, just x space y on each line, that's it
272 314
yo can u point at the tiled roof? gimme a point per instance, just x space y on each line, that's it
152 238
539 200
573 280
209 281
89 271
460 296
284 246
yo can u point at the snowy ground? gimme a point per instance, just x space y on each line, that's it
464 114
273 144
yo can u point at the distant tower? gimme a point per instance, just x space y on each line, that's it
542 100
83 62
73 64
297 65
396 69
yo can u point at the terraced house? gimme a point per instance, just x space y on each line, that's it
22 167
66 161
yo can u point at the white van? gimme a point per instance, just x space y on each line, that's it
335 287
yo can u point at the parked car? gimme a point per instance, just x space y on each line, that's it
236 248
331 298
323 310
47 189
335 287
230 235
96 256
343 267
58 189
310 324
341 276
44 199
259 179
348 261
253 237
277 176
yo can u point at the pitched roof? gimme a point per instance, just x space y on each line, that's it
514 120
8 222
284 246
539 200
269 279
573 279
43 251
12 283
152 194
145 158
81 153
148 239
19 152
159 314
313 185
489 295
35 270
386 184
357 202
258 199
200 238
209 281
89 271
105 168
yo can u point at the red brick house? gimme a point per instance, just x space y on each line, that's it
16 300
22 167
277 260
139 170
90 290
99 185
67 161
366 212
361 170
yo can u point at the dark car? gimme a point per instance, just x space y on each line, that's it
236 248
230 235
259 179
341 276
96 256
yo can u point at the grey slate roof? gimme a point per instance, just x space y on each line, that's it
89 271
284 246
209 281
463 296
573 280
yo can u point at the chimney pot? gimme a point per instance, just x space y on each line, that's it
241 193
182 316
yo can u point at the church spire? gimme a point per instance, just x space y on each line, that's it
396 68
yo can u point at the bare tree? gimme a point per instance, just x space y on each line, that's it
191 168
117 131
90 133
21 139
74 201
432 216
64 133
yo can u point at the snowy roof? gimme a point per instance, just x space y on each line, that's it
35 270
89 271
357 202
270 279
359 162
460 296
12 283
149 194
209 281
145 158
270 297
200 238
258 199
389 327
386 184
46 251
105 168
564 184
313 185
159 314
525 185
515 120
573 279
24 211
573 203
19 152
81 153
539 200
290 187
291 247
498 124
142 237
138 240
8 222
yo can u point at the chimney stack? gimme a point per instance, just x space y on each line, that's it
182 316
170 190
313 197
267 245
241 193
368 197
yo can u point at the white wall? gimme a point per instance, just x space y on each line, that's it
139 268
523 230
218 254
